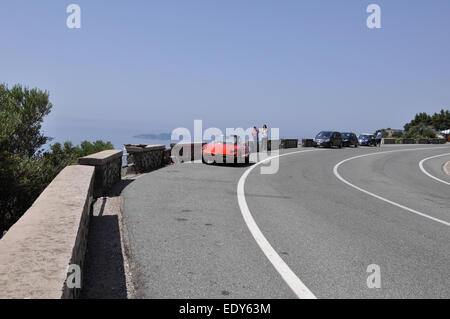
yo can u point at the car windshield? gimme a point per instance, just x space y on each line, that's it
345 134
324 134
365 136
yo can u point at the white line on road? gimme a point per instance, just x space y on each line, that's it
428 174
297 286
382 198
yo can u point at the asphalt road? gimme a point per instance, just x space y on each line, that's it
186 235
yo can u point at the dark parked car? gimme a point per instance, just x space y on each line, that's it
328 139
367 140
349 139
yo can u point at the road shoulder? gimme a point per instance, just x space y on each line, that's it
447 168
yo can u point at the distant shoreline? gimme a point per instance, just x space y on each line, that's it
159 137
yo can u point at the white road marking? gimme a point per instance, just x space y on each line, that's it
283 269
428 174
336 173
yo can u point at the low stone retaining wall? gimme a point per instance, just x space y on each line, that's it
288 143
414 141
389 141
167 159
36 252
145 158
308 143
423 141
186 152
108 169
408 141
437 141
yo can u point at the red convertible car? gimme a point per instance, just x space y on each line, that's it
226 149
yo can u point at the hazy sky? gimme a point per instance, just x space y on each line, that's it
303 66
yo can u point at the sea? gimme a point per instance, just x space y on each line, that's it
116 138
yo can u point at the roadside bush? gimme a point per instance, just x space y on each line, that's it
438 121
419 131
25 169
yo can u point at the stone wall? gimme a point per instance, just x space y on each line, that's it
288 143
435 141
307 142
186 152
413 141
144 159
167 159
108 170
36 252
408 141
273 145
389 141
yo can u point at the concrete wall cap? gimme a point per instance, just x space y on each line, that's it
100 158
183 143
36 251
134 148
158 147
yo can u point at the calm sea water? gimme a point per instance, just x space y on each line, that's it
117 137
118 140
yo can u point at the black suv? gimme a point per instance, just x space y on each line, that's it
328 139
349 139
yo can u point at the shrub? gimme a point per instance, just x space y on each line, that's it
25 169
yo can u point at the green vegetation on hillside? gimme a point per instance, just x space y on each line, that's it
25 169
422 126
426 126
438 121
388 132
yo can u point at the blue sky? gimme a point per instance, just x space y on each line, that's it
150 66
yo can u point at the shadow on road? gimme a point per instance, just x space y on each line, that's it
104 272
238 165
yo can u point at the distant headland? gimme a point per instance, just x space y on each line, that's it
160 137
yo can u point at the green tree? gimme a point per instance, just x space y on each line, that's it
25 169
438 121
22 112
420 131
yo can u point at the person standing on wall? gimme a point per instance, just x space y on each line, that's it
264 136
379 138
255 134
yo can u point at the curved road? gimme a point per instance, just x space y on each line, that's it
327 215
